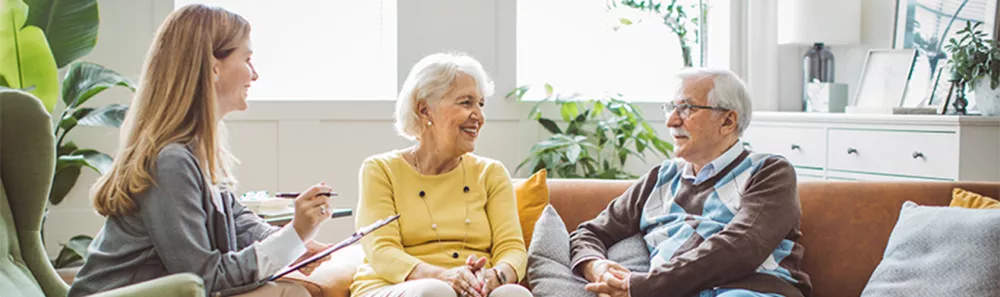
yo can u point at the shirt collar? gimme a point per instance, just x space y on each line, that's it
711 168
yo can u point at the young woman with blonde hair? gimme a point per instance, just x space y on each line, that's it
168 197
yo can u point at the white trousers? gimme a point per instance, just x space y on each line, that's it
436 288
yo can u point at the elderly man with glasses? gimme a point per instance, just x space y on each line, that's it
718 220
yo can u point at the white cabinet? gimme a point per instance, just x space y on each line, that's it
880 147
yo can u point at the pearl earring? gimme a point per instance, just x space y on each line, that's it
428 123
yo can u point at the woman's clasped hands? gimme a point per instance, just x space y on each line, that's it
473 279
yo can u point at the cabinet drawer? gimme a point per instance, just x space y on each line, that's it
915 154
802 146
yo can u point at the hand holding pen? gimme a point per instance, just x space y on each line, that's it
310 210
292 195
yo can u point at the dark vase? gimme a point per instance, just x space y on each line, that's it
817 64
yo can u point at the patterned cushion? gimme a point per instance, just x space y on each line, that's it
549 273
940 251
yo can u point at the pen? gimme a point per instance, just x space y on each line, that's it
296 194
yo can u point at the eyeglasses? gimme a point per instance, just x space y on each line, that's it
685 110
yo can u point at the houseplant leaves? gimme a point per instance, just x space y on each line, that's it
25 59
70 26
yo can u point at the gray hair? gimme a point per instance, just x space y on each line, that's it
429 80
728 91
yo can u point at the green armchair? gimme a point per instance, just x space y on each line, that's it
27 160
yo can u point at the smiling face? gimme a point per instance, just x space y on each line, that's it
456 118
235 73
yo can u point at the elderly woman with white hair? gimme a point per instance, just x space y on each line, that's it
458 233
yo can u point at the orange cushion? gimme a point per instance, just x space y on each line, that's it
532 197
965 199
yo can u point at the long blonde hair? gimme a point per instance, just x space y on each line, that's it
175 102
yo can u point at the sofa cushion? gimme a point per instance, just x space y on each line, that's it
549 272
940 251
333 278
532 197
962 198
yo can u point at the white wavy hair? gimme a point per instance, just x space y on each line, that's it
728 91
429 80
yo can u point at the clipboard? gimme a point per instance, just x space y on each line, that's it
344 243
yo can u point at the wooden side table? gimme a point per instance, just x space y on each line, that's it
282 220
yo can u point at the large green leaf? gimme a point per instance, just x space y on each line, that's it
72 251
62 182
96 160
70 120
85 79
550 125
66 149
25 59
569 110
112 115
69 25
79 244
68 169
573 153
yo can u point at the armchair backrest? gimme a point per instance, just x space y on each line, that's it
27 161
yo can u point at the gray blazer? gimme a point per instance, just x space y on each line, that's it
183 225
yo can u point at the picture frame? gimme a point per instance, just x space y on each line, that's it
927 26
939 89
937 96
884 78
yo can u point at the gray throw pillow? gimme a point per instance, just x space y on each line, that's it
940 251
549 273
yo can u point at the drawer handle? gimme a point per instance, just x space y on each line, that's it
796 147
918 155
852 151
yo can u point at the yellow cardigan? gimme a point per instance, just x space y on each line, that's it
389 185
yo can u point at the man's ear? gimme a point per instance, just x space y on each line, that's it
730 121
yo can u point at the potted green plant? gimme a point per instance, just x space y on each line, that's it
601 134
43 37
975 63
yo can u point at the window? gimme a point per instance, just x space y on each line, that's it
605 47
320 50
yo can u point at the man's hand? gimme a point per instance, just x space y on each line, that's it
595 270
614 283
312 247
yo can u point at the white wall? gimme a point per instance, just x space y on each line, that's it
290 145
877 26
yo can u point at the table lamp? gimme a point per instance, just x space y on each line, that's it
818 23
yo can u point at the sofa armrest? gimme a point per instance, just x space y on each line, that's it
177 285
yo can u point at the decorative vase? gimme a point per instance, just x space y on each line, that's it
987 99
817 66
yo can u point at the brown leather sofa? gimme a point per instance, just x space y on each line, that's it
845 226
